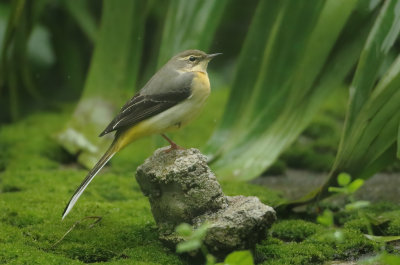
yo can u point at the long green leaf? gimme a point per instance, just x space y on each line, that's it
373 113
368 142
384 239
379 42
291 83
111 79
247 71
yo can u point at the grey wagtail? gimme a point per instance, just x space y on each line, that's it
169 100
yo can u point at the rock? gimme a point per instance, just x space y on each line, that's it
240 225
181 188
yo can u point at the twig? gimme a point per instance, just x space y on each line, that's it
98 219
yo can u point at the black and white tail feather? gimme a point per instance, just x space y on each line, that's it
99 165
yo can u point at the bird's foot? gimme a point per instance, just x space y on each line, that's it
173 146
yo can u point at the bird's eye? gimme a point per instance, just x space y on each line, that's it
192 58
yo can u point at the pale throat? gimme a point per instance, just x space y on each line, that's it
200 67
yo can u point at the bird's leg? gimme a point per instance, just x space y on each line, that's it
174 146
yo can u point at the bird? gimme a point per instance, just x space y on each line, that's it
172 98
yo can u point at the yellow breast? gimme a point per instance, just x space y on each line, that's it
200 86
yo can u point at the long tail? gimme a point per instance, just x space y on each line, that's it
99 165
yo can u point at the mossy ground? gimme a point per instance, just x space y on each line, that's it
302 241
38 177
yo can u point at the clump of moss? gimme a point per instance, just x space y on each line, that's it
382 207
380 219
346 243
361 224
374 210
274 252
19 253
313 246
294 230
393 227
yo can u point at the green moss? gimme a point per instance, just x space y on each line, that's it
294 230
375 210
381 218
360 224
317 245
382 207
346 243
273 252
393 226
17 253
35 187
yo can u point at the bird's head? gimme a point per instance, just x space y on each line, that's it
191 60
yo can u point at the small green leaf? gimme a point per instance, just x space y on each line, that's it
337 190
326 218
188 246
357 205
243 257
343 179
200 232
384 239
355 185
184 230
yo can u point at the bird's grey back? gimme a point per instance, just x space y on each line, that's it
167 80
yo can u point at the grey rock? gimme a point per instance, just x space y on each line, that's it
182 188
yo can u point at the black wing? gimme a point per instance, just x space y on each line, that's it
141 107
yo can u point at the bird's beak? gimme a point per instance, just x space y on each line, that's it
210 56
